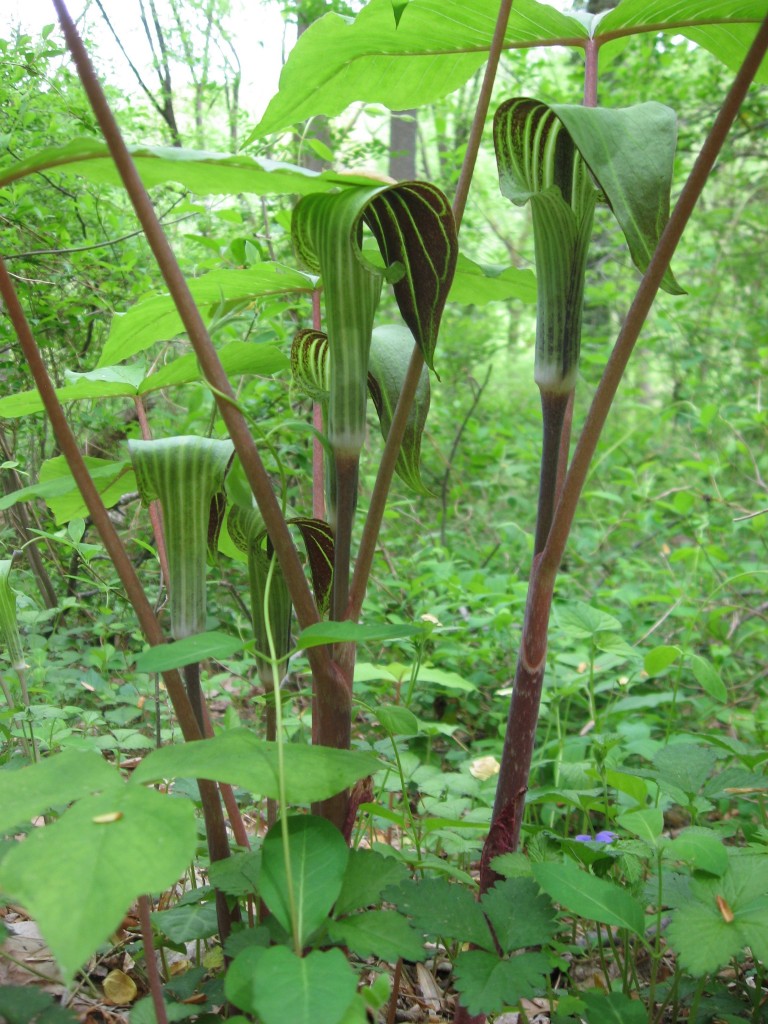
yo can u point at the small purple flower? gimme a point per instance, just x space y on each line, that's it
602 837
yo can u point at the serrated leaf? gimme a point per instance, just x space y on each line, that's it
647 824
590 897
237 875
440 908
318 859
390 357
79 876
519 914
582 621
685 765
384 934
188 651
186 924
700 848
488 984
281 987
53 781
368 873
613 1008
242 759
704 936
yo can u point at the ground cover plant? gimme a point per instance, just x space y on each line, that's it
395 819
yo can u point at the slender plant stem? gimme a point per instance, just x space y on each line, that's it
591 51
638 311
210 363
517 753
98 513
396 433
150 961
553 408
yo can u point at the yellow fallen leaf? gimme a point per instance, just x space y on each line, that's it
119 988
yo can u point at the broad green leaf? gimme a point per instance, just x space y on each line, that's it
187 923
488 984
110 381
724 915
390 357
519 914
700 848
397 720
10 640
56 486
475 284
242 759
724 27
685 765
156 319
368 874
21 1004
237 357
440 908
433 48
613 1008
79 876
281 987
659 658
186 474
354 632
408 55
636 178
647 824
187 651
201 172
238 875
708 678
584 622
590 897
318 859
384 934
55 781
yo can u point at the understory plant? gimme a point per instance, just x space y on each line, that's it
299 915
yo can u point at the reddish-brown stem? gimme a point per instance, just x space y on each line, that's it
306 611
524 707
98 513
554 406
150 961
394 440
638 311
591 52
